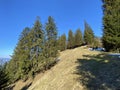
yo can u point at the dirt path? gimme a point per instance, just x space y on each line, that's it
61 76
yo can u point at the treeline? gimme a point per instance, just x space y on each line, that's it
36 51
37 48
78 39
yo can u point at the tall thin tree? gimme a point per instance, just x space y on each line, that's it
36 43
78 38
70 42
51 38
62 42
88 35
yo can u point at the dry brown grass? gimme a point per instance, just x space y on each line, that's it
61 76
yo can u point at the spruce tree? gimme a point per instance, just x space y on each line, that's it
3 77
51 38
19 65
78 38
24 54
62 42
111 25
36 45
88 35
36 51
70 44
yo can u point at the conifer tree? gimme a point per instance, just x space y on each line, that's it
19 65
88 35
78 38
62 42
70 40
20 58
36 43
3 78
111 25
24 54
51 38
34 52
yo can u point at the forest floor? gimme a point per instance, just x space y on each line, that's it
78 69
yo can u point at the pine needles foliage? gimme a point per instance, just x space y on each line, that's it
111 25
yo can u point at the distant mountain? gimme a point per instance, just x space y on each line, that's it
4 60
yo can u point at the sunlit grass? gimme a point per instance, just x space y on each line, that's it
104 71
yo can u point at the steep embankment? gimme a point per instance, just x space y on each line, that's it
78 69
62 76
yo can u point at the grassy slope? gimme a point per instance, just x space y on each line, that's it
79 69
62 76
99 72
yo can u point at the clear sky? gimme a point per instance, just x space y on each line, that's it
15 15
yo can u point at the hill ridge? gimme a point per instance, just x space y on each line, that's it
63 75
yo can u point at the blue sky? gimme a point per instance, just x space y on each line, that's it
15 15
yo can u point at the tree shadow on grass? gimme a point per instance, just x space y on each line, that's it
9 87
101 72
26 86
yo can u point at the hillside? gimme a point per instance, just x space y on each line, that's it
62 76
78 69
